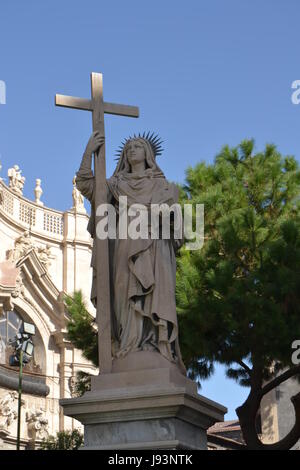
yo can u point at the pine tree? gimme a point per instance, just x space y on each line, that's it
238 298
82 332
64 440
81 327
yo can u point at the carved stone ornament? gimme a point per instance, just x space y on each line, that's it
44 254
22 246
16 180
38 192
78 199
37 424
8 410
19 289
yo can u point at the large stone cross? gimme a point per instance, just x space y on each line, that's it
98 107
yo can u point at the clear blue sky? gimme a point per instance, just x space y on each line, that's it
203 72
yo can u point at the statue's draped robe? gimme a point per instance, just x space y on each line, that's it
142 272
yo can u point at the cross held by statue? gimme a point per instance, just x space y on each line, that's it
98 108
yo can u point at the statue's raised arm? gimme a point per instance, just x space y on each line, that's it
85 180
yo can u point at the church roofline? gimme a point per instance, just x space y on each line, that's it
43 222
28 201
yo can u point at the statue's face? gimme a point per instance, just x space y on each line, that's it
135 152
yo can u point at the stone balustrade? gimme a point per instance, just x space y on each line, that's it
28 214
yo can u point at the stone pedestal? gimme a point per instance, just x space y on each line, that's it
145 403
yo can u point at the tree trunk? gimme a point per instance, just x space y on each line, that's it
248 411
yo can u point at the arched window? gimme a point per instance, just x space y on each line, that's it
10 323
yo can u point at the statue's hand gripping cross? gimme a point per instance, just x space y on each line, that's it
98 107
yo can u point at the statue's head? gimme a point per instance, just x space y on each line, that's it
138 149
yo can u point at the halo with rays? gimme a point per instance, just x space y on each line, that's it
154 140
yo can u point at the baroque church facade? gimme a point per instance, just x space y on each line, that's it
44 255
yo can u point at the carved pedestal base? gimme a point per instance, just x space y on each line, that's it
145 408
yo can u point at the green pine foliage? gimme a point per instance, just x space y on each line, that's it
81 328
82 384
64 440
238 297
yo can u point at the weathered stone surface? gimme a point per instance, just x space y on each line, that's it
144 408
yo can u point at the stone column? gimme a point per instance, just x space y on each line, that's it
76 249
65 372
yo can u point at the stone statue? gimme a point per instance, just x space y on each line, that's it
78 200
44 254
37 424
133 290
8 410
143 271
23 244
19 287
38 192
16 180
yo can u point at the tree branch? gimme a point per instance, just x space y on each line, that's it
278 380
244 366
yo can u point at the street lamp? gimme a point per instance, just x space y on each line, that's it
23 353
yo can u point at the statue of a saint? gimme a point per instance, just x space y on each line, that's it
44 254
142 271
78 200
23 244
16 180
